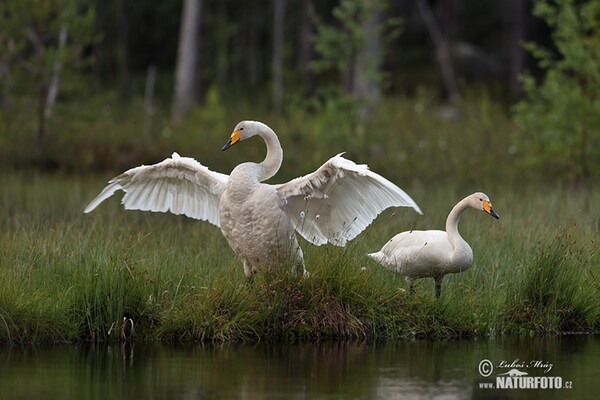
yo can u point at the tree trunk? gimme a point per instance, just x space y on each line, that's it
307 49
97 49
442 51
55 81
514 34
254 60
277 64
367 62
39 49
149 99
449 22
223 41
123 49
41 133
186 69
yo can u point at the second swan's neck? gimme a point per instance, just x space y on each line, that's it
452 223
462 256
272 161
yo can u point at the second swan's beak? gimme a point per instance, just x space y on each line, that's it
487 207
235 137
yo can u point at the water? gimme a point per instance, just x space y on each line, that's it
417 369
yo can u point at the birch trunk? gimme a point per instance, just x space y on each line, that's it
186 69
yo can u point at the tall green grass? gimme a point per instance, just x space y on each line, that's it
119 275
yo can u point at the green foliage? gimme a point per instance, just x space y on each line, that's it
338 45
405 140
341 45
31 37
560 116
42 47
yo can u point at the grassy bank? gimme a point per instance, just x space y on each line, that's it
114 274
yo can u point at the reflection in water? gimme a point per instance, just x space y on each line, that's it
349 370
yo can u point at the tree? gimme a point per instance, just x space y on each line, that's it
40 41
560 115
515 33
442 49
306 53
186 68
277 62
123 48
353 48
368 59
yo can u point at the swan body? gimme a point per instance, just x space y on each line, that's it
433 253
331 205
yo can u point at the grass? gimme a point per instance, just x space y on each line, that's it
118 275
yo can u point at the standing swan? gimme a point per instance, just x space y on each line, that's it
333 204
433 254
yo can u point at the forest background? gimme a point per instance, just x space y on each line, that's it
420 90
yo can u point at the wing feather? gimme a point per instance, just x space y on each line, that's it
180 185
338 201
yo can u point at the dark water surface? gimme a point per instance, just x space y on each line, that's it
417 369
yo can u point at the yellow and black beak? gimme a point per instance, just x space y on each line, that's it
487 207
235 137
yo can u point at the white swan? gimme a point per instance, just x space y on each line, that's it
333 204
433 254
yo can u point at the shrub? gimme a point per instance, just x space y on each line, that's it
560 116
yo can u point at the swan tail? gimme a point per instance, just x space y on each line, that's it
379 257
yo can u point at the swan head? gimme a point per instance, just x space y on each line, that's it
245 130
482 202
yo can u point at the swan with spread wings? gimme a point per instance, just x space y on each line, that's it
331 205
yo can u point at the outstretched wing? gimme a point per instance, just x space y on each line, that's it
339 200
180 185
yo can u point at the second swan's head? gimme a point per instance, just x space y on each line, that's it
482 202
244 130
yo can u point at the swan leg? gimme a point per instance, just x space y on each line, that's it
299 262
303 271
249 272
411 285
302 266
438 288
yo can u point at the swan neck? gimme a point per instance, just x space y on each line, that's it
452 223
272 161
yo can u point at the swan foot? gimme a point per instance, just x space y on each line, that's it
249 272
305 274
438 289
